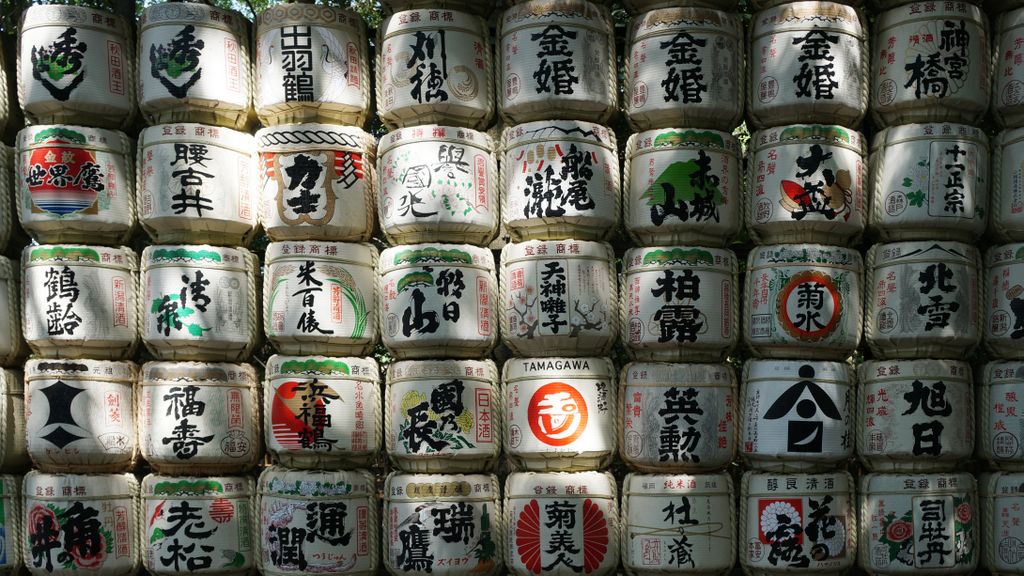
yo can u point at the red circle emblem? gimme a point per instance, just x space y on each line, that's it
557 413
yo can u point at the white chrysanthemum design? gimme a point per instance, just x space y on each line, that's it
771 512
837 542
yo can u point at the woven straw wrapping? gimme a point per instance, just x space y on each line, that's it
335 457
420 373
462 110
13 452
10 282
7 190
78 109
1006 216
94 380
14 523
5 109
202 105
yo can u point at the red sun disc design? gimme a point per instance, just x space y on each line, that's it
595 536
528 536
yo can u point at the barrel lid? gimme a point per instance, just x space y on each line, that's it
887 370
837 372
330 136
560 485
796 16
434 133
341 252
400 487
950 482
279 481
61 16
419 255
899 253
482 370
43 486
911 14
293 13
669 139
670 374
104 370
998 484
541 368
71 254
1007 21
929 132
563 249
1005 255
673 19
196 255
323 367
530 133
806 254
676 484
658 257
545 12
1002 372
771 484
176 133
827 134
70 136
193 13
201 373
157 486
407 21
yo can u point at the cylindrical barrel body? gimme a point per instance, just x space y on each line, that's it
678 417
195 65
930 65
1003 292
583 511
311 65
1002 498
438 184
807 183
923 524
75 184
81 523
318 521
1006 214
80 301
682 186
12 344
320 297
808 63
80 415
560 179
443 415
560 297
435 65
197 184
77 65
1008 86
317 182
557 59
803 301
1000 419
454 520
198 525
562 413
797 415
929 181
915 415
199 302
923 299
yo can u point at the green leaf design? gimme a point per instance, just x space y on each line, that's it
916 198
678 176
185 312
158 534
907 182
237 562
196 329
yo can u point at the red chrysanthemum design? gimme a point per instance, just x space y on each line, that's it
528 536
595 536
899 531
964 513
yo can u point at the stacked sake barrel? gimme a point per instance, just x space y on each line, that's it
804 208
75 188
678 316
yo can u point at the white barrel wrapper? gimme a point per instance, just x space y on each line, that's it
1004 301
1002 534
1000 415
1006 215
12 523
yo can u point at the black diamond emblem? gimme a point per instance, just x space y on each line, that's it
61 437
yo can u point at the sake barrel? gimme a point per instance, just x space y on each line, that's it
560 297
929 181
483 9
809 64
583 511
797 415
1000 417
438 300
930 64
197 184
924 300
923 524
317 182
75 64
195 65
684 67
80 301
1006 217
199 302
80 415
75 184
12 346
11 521
452 196
435 65
676 524
320 297
809 185
560 179
217 516
311 66
679 303
443 524
682 186
1004 301
317 521
1002 499
443 415
562 413
803 523
557 59
97 515
1008 90
803 301
13 449
677 418
321 412
199 418
915 415
7 189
